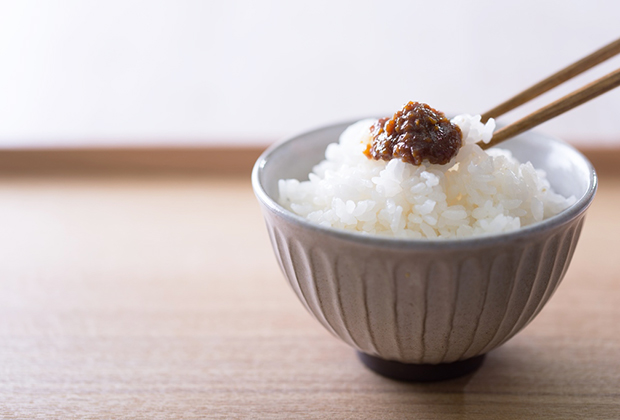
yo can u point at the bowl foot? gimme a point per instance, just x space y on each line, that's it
413 372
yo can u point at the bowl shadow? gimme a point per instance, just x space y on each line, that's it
518 380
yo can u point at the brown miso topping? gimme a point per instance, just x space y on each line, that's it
414 134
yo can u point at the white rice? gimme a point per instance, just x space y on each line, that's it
479 192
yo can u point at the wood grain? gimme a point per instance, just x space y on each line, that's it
152 297
127 160
224 161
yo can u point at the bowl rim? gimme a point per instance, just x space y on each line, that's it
565 216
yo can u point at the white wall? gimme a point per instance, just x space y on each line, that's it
249 72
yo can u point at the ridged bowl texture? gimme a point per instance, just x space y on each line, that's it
424 301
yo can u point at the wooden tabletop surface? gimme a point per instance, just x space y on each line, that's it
159 297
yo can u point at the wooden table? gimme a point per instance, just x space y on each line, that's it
151 296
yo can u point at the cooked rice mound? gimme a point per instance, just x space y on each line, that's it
479 192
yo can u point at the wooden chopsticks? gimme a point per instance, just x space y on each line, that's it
570 101
594 89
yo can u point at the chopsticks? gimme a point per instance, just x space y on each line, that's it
570 101
576 98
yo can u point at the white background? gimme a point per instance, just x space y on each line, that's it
133 72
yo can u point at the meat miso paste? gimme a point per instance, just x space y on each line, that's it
419 175
414 134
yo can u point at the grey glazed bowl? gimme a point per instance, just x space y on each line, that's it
423 301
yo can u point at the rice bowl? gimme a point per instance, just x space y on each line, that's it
435 305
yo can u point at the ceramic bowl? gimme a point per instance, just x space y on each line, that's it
423 302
